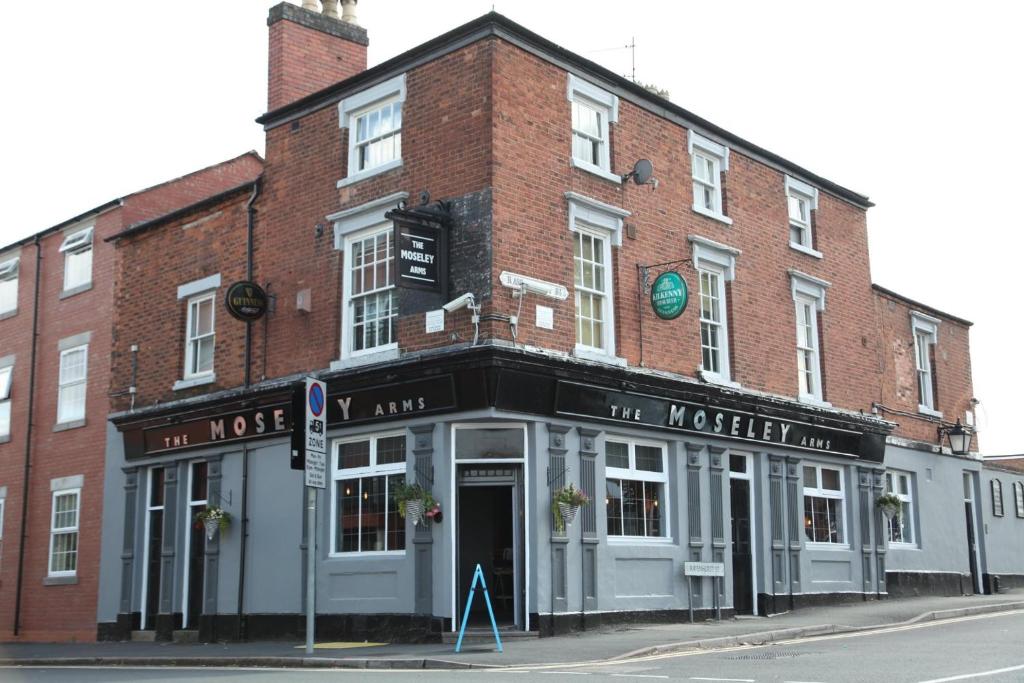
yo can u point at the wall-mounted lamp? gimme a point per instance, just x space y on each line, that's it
959 438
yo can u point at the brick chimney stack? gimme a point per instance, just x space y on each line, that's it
310 49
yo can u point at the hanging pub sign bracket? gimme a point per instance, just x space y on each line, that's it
669 302
421 244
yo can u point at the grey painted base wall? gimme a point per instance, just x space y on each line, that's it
768 604
1000 583
557 624
910 584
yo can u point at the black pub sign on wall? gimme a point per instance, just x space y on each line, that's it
421 246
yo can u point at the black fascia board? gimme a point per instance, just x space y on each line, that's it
498 25
918 304
113 203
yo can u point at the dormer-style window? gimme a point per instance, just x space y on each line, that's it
9 286
77 250
593 109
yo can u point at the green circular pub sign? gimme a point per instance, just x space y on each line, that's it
669 295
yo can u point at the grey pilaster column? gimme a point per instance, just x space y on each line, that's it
559 539
588 516
211 558
794 500
776 502
423 538
131 513
881 532
716 457
865 509
695 534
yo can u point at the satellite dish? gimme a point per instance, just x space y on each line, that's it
642 172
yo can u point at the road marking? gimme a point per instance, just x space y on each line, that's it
567 673
737 680
638 676
961 677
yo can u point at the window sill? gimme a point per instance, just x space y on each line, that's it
806 250
830 547
713 378
369 555
8 314
591 354
60 580
596 170
904 546
387 353
64 426
711 214
813 401
369 173
194 382
76 290
640 540
925 410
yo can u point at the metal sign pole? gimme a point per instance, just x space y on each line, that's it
310 566
689 583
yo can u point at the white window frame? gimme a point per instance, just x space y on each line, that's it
998 507
1018 497
892 478
590 217
797 190
371 470
62 385
808 290
55 530
580 92
717 258
632 474
9 279
6 380
347 316
3 508
701 147
820 492
391 91
77 243
924 328
193 342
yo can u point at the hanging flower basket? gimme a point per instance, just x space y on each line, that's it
416 504
212 518
566 502
889 504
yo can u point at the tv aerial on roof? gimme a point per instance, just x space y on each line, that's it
642 173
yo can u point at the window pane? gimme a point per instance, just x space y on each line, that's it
396 525
8 294
737 463
77 268
5 418
649 459
830 479
810 477
496 442
372 517
613 505
353 454
632 508
347 524
390 450
204 355
72 366
652 508
198 492
616 454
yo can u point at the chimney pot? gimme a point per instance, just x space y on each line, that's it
330 8
348 11
311 5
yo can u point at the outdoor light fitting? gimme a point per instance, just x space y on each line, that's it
959 438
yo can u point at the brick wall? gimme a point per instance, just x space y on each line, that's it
951 368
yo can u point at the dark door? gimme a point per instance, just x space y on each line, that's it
742 579
155 511
196 544
972 546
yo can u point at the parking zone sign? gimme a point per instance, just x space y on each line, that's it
316 433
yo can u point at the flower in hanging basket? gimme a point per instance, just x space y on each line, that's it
889 504
212 518
565 503
414 503
434 514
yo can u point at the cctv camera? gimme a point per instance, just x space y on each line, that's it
463 301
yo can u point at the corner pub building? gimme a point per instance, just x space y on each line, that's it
754 428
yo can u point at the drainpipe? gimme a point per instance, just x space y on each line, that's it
28 440
250 212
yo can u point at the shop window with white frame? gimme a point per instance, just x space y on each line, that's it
824 505
72 381
9 286
77 250
926 333
64 532
593 110
716 265
595 228
708 161
200 336
6 379
373 118
365 473
809 300
901 525
801 201
636 475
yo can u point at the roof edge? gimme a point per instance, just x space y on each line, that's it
912 302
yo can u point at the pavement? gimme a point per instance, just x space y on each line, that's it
611 643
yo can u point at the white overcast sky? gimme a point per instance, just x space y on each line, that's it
918 105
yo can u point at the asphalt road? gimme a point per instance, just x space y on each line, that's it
988 648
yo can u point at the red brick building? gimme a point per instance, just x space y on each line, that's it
750 427
58 288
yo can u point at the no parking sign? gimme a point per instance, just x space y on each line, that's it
316 433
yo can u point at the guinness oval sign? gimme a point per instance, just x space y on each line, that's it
246 301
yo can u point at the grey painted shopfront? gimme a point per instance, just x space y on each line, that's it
782 494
